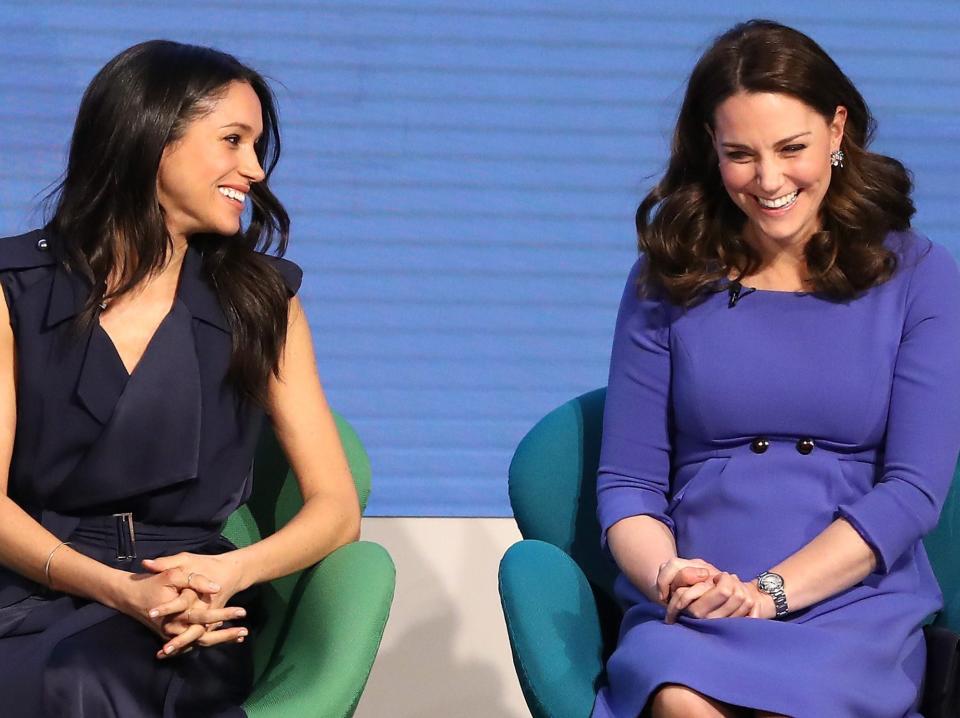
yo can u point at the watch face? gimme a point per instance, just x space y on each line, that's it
770 582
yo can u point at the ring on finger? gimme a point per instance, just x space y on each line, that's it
189 577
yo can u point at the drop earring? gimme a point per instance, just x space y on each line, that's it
836 158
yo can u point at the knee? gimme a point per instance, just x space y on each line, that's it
676 700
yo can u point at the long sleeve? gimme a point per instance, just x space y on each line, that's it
634 471
923 425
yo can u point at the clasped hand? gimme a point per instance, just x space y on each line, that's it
701 590
181 602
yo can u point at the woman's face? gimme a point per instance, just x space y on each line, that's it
774 153
204 177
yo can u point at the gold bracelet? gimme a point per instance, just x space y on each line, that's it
46 567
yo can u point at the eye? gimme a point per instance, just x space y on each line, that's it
737 155
790 149
233 139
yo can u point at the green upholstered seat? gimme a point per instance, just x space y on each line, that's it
324 624
555 585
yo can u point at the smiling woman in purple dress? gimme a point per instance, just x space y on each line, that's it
783 413
146 334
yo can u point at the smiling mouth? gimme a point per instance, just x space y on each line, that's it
235 195
779 203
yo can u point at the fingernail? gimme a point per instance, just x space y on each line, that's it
168 650
240 640
214 586
701 572
154 613
243 632
240 613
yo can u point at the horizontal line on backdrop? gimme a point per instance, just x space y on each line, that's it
485 361
472 214
515 358
447 303
610 246
606 16
600 333
478 271
499 41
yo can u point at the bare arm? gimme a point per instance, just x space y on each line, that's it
641 545
330 516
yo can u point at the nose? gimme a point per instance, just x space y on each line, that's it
250 167
769 176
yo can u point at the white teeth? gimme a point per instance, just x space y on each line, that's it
779 201
232 193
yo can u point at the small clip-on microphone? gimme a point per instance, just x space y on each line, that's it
733 290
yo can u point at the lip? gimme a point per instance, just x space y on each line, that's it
237 187
780 211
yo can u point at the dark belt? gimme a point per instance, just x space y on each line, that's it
119 538
114 539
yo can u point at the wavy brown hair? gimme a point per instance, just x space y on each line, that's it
690 229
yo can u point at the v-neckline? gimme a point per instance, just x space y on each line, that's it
116 352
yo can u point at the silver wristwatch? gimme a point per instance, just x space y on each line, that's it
772 585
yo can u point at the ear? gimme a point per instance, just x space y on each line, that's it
836 127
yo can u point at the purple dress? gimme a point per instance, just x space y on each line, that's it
875 384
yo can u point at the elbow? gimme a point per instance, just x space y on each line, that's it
351 529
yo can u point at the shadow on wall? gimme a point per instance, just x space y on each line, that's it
445 651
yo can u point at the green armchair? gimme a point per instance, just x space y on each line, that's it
556 586
324 624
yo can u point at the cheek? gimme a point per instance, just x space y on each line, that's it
812 173
736 178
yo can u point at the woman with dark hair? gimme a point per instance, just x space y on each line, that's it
148 333
783 413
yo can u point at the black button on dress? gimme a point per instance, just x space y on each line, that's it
171 443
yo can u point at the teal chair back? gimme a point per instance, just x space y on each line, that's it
942 545
556 584
553 485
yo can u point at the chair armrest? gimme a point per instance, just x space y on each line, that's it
339 611
554 629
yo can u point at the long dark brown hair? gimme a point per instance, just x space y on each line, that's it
690 229
106 214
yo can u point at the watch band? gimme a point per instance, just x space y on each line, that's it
772 585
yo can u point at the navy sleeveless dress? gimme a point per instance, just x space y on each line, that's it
748 430
150 463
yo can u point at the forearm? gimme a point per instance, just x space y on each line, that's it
835 560
640 545
320 527
25 546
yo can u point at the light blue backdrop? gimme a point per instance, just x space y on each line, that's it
462 178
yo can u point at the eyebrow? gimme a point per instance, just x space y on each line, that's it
780 142
242 125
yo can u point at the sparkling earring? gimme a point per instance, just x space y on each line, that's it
836 158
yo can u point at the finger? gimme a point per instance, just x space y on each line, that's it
174 628
226 635
159 565
214 615
177 605
180 642
201 584
687 576
713 599
730 607
682 597
725 586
